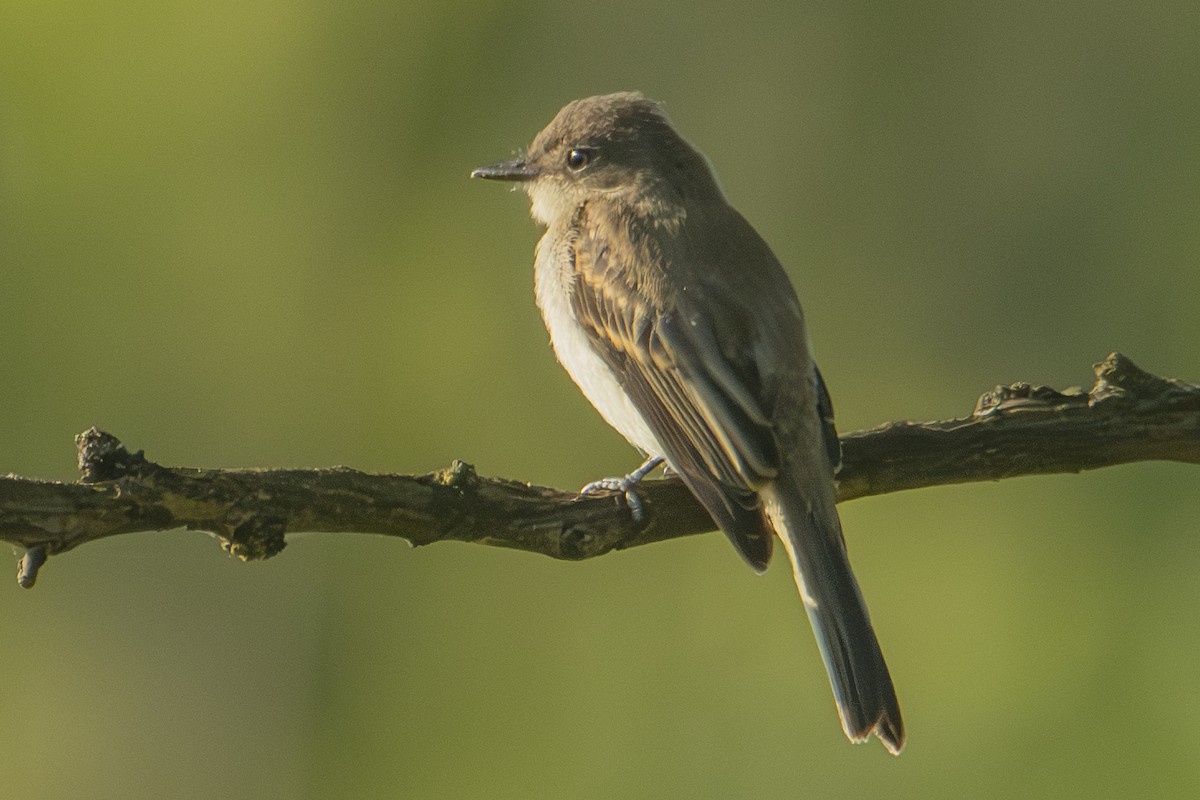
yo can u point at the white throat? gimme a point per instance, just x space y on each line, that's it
548 203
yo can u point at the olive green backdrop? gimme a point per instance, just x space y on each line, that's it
242 234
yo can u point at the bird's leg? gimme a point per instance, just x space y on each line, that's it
626 485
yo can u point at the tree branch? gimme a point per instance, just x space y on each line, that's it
1128 415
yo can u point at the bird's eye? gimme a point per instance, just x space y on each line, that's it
578 158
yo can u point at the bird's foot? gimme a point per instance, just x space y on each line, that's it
625 486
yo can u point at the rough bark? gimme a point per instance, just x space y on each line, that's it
1128 415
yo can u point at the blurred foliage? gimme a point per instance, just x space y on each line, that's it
242 234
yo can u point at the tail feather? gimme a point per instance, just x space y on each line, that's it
862 685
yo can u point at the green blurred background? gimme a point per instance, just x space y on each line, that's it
242 234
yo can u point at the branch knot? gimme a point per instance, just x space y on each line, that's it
1118 378
102 457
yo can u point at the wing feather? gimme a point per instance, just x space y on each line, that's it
696 401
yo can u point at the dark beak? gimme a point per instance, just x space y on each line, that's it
516 170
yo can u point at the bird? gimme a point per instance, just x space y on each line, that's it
678 323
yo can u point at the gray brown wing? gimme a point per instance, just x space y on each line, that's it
700 405
829 435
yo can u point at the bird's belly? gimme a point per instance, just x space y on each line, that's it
574 350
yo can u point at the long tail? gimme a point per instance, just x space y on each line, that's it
862 686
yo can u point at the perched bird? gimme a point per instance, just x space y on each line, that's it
680 326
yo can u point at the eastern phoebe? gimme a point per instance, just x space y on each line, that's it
678 323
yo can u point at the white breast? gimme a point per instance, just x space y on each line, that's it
552 283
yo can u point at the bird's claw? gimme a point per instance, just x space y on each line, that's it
625 486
